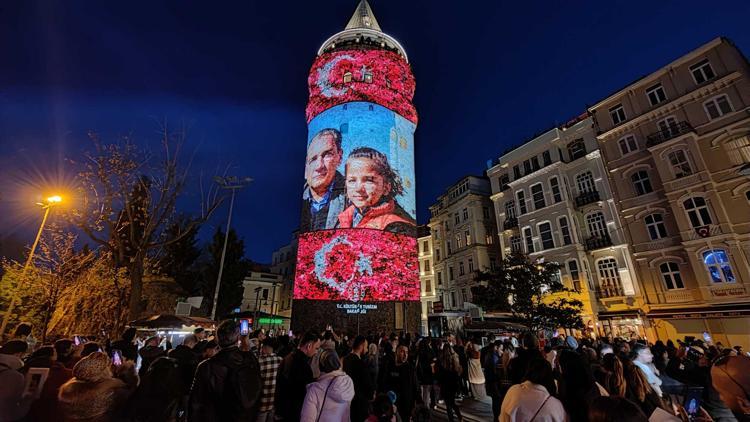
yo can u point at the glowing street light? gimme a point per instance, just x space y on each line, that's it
46 206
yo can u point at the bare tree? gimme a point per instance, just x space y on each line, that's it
127 199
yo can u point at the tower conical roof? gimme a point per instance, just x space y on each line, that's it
363 18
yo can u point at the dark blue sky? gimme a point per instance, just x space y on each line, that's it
489 75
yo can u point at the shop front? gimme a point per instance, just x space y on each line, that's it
728 324
629 325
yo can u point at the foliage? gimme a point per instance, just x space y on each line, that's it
236 268
532 292
127 200
179 258
30 297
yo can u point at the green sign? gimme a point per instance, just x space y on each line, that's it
270 321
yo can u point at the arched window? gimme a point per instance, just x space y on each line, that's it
641 182
564 230
670 273
697 211
680 164
576 149
718 266
596 224
347 77
738 150
609 277
545 233
655 226
585 182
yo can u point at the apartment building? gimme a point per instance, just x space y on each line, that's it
464 240
426 274
677 144
553 202
283 263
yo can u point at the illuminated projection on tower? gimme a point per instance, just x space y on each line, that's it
357 239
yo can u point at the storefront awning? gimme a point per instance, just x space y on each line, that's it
716 311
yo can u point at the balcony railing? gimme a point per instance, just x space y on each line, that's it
510 223
598 242
609 289
670 132
585 198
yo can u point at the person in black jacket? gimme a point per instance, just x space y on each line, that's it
294 375
149 353
401 378
364 388
126 345
226 386
187 361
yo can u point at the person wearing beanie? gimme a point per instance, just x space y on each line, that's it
94 394
13 405
226 386
329 398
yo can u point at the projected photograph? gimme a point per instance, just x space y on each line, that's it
357 265
375 76
359 171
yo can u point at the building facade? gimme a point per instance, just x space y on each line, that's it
261 297
283 261
426 274
553 202
464 240
677 146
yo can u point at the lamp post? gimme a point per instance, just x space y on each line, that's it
46 206
232 183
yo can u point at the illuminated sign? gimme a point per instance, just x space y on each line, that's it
265 320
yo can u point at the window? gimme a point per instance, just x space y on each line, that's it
618 114
596 224
585 182
465 214
467 235
461 269
529 240
641 182
459 241
510 209
554 185
546 158
697 211
545 232
537 195
457 219
425 246
464 295
368 77
515 244
493 264
718 266
427 286
449 248
503 180
427 266
450 274
655 226
486 212
738 150
656 94
454 303
516 172
575 275
609 276
439 278
680 164
437 255
445 223
702 71
576 149
670 273
717 107
521 202
488 239
668 126
471 265
526 167
347 77
535 163
565 230
628 144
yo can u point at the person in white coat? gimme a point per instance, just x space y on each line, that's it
329 398
533 399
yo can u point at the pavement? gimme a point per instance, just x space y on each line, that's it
472 410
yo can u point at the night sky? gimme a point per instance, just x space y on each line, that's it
489 75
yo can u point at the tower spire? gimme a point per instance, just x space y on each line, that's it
363 18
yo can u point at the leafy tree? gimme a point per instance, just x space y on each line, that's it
127 199
531 291
179 258
29 295
236 268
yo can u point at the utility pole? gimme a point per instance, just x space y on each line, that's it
232 183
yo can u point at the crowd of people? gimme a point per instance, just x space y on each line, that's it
321 376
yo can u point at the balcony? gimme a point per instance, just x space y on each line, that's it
510 223
608 290
671 132
598 242
585 198
702 232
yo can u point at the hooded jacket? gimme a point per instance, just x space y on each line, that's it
330 397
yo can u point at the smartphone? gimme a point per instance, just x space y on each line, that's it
116 357
77 340
692 402
244 327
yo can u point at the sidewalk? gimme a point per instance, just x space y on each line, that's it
472 410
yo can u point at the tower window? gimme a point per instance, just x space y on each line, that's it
347 77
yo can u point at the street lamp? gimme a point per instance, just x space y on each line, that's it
46 206
232 183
